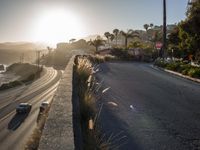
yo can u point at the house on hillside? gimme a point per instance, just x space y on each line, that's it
61 46
104 52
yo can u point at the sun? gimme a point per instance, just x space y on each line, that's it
57 26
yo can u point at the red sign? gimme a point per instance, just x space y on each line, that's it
159 45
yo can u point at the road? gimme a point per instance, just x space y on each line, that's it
148 109
16 129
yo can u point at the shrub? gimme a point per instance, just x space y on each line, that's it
96 59
181 67
185 71
173 66
10 85
194 72
160 63
87 93
121 54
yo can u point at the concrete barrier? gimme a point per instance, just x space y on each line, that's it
58 131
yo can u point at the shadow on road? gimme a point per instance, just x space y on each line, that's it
116 130
17 120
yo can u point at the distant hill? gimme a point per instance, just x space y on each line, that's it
21 46
10 52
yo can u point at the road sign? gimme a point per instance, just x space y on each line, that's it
159 45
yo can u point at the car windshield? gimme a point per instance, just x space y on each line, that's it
45 103
22 105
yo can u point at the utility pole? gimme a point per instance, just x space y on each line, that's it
21 58
38 58
164 48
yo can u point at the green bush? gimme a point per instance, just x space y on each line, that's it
173 66
194 72
184 68
181 67
185 71
160 63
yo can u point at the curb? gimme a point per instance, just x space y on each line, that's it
58 130
176 73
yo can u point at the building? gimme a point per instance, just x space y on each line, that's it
61 46
104 52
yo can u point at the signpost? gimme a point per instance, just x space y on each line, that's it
159 45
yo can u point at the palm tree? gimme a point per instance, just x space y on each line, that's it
72 40
116 33
151 25
112 37
97 42
146 26
107 35
129 34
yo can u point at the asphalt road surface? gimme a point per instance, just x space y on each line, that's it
148 109
16 129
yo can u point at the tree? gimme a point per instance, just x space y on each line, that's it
112 37
135 44
49 49
129 34
157 37
97 42
173 42
146 27
72 40
107 35
189 31
116 33
151 25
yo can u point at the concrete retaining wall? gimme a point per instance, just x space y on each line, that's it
58 131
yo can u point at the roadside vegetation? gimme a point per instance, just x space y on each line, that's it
184 39
27 73
34 140
84 83
88 94
59 57
180 67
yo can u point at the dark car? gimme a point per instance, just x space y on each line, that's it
23 108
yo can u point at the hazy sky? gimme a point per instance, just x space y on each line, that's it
59 20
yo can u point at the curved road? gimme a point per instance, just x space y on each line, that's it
148 109
16 129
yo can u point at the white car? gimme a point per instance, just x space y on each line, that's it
44 106
23 108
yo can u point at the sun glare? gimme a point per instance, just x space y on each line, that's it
57 26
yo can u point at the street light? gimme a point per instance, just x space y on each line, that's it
164 48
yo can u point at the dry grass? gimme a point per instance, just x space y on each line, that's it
96 59
34 139
89 93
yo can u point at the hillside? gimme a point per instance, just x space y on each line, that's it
21 46
23 70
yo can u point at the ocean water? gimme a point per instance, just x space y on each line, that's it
6 77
